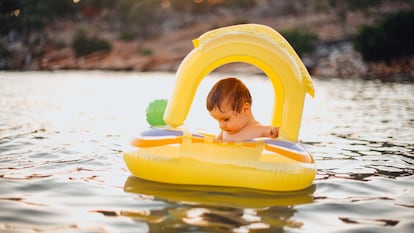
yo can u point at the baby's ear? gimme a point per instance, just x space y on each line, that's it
246 107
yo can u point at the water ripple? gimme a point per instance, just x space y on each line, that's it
61 168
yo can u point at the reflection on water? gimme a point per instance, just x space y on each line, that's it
219 196
219 209
61 169
189 218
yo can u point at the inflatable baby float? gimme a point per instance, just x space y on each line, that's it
171 154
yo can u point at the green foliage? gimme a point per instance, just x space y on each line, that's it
4 52
345 5
48 8
96 4
137 17
28 15
301 40
353 4
145 51
126 36
83 44
244 4
391 38
207 6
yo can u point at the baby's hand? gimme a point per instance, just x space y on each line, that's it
274 132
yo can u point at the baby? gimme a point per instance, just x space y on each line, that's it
229 102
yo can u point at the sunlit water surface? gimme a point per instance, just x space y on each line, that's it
61 167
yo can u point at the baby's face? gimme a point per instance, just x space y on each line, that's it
230 121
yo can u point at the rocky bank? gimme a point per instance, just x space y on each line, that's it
334 56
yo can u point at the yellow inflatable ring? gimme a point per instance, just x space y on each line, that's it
173 155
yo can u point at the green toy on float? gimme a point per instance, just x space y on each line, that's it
155 112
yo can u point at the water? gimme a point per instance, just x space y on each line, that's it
61 168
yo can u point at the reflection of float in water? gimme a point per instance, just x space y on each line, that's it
215 209
218 196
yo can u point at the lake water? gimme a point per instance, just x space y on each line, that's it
61 166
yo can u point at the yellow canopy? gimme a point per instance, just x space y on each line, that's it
257 45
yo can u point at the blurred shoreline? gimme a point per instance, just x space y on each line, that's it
334 55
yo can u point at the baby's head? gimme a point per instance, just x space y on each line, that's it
229 91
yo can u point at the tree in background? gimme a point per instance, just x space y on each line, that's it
145 18
302 40
341 8
84 44
388 39
23 21
138 18
26 16
198 7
